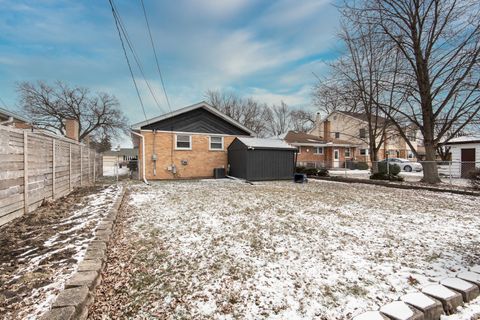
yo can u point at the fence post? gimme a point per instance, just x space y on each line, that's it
25 172
89 169
81 165
53 168
70 166
94 166
450 172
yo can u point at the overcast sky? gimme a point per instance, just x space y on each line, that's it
265 49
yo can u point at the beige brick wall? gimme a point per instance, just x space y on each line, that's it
201 161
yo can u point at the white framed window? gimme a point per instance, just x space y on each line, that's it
318 150
216 143
410 155
183 142
337 135
347 152
364 152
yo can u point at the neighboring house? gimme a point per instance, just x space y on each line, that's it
121 157
12 119
316 151
187 143
353 127
465 155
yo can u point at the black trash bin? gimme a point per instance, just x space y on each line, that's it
300 178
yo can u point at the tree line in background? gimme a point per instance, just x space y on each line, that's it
414 63
263 119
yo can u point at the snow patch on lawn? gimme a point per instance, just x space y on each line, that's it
281 250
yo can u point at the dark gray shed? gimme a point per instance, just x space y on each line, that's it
257 159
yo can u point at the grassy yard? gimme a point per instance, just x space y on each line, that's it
278 250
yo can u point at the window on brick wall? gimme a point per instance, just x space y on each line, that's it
364 152
183 142
318 150
337 135
216 143
347 152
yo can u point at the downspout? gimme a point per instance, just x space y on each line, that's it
143 154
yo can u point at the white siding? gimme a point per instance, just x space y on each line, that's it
456 151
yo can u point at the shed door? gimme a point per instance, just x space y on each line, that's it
468 161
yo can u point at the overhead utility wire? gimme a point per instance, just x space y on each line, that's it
135 56
156 57
126 57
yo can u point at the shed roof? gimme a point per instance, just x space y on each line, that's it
465 139
4 113
265 143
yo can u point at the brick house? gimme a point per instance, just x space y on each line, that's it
317 151
9 118
353 127
186 143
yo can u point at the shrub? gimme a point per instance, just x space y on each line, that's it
382 174
393 168
475 178
361 166
322 172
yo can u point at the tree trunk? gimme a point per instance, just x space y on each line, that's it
430 169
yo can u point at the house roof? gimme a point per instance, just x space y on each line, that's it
4 113
204 105
259 143
362 116
305 139
129 152
464 139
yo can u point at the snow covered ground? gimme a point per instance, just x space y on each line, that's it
279 250
40 251
112 171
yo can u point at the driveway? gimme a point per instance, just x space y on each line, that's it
279 250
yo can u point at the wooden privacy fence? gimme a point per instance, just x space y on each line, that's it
36 166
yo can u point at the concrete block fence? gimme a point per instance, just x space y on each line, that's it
72 303
433 301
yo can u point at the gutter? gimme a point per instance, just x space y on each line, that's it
143 155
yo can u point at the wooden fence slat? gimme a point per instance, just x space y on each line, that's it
25 171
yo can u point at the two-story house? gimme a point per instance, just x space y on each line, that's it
353 127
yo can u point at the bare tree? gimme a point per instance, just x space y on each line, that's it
49 106
302 120
439 42
248 112
278 119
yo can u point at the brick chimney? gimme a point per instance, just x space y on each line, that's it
72 129
326 130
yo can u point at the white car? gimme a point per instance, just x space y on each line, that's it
404 164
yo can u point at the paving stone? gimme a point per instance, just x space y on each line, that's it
89 279
75 297
65 313
95 255
468 290
450 299
109 232
97 246
432 309
399 310
105 225
475 268
102 237
91 265
370 315
470 276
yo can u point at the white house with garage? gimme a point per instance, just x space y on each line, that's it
465 154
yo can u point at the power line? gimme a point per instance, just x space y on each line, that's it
135 56
155 54
126 57
4 104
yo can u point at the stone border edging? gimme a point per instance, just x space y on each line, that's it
433 301
395 185
73 301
